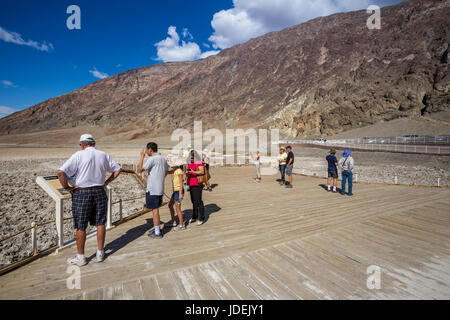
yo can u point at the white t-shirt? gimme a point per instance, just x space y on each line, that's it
256 160
157 168
89 167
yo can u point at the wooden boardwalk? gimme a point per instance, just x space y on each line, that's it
263 241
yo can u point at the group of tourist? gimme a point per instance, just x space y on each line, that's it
346 164
89 200
88 168
286 166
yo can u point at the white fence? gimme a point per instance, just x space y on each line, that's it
407 148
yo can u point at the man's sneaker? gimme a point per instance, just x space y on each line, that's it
179 228
154 235
334 190
77 262
289 186
199 223
350 194
192 220
329 189
100 256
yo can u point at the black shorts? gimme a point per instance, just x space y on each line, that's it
89 206
152 202
333 174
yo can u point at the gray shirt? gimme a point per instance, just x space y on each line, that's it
157 168
348 165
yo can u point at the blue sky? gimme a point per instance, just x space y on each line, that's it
41 58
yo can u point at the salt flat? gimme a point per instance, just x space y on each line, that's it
262 241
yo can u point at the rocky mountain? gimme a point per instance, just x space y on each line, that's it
322 77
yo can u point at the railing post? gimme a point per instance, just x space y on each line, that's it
439 182
120 209
59 223
33 238
395 180
109 212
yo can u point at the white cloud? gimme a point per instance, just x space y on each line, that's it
98 74
6 111
16 38
8 84
252 18
171 49
187 34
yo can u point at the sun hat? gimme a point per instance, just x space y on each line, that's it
347 153
86 137
282 148
332 151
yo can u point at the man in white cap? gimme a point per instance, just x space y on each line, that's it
88 168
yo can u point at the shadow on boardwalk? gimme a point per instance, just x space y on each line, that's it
137 232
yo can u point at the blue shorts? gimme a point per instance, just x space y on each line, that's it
152 202
176 196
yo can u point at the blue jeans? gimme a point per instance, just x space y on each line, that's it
283 170
347 175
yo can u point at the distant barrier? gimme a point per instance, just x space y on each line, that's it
396 148
407 139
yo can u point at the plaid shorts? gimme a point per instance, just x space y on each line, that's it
89 206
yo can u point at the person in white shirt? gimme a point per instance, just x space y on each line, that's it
88 168
257 162
157 168
347 164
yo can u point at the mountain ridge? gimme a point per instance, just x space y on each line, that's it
322 77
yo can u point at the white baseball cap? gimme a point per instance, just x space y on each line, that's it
86 137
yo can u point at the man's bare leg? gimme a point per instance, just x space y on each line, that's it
81 240
101 232
156 217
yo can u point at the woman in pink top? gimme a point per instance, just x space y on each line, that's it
196 167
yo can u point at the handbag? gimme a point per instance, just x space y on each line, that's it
203 178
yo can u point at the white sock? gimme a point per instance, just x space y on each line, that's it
157 230
100 252
329 187
80 256
334 188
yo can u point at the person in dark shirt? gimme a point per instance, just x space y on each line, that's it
332 169
289 166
